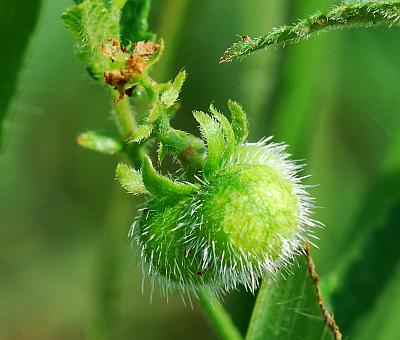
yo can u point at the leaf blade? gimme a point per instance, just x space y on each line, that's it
15 39
134 24
287 307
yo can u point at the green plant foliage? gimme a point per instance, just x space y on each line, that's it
239 121
15 39
134 25
130 179
246 216
363 14
234 211
287 308
142 132
214 136
369 272
101 142
169 96
227 130
161 186
93 23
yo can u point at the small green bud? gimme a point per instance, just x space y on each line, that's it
101 142
247 217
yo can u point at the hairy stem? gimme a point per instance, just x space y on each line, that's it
218 317
188 149
124 118
365 14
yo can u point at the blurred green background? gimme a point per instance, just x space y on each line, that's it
67 270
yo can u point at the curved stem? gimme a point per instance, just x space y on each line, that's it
218 317
363 14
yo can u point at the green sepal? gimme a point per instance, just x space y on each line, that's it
141 133
154 113
239 121
228 131
130 179
161 186
161 152
169 96
214 136
105 143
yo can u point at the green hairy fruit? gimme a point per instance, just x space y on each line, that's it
244 216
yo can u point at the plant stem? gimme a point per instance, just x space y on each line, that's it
363 14
124 118
218 317
188 149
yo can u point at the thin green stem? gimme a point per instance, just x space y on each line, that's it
124 118
218 317
365 14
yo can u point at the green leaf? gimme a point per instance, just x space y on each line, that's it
162 186
134 25
239 121
228 131
214 136
130 179
365 14
141 133
371 264
101 142
93 24
18 21
169 96
287 308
